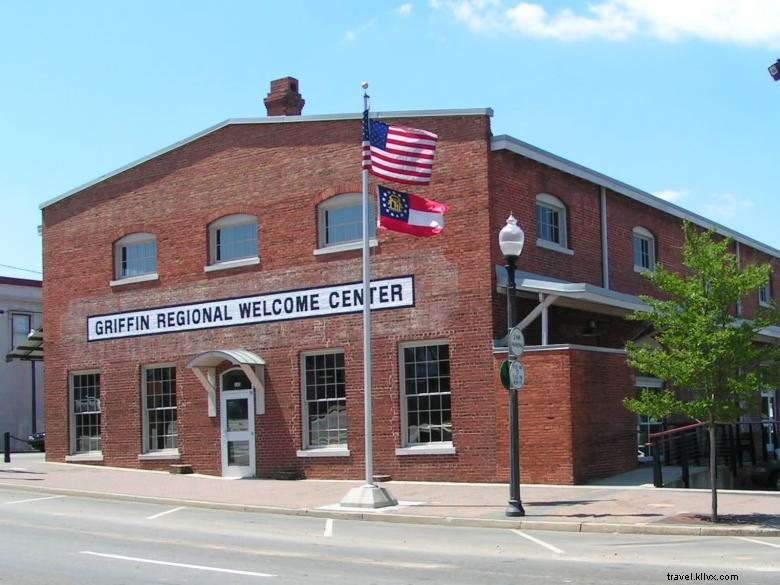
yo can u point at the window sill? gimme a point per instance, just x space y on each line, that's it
84 457
429 449
764 304
232 264
168 454
345 247
554 247
642 269
324 452
135 279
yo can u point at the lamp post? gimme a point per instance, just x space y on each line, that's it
510 240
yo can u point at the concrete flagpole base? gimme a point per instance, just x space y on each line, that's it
368 496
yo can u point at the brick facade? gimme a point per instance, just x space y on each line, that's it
279 171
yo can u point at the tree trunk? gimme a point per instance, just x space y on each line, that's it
713 473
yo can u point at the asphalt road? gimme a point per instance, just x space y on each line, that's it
63 540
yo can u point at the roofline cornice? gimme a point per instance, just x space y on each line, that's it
504 142
269 120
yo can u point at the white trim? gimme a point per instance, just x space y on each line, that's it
323 452
504 142
552 203
164 454
82 457
640 233
232 264
72 416
133 239
427 449
270 120
554 247
135 279
648 382
231 221
145 412
345 247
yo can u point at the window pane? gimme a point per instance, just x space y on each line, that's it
548 224
325 400
236 241
138 258
427 390
344 224
161 430
85 390
21 326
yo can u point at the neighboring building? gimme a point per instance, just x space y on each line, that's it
21 383
201 307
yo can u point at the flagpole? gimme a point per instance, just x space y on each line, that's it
368 426
369 495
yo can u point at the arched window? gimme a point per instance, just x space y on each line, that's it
644 249
340 220
551 220
233 237
135 255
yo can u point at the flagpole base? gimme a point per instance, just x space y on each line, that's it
368 496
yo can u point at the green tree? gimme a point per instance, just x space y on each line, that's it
700 345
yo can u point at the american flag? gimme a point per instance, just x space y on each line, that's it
398 153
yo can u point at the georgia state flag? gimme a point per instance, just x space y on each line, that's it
410 214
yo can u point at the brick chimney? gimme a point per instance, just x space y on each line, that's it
284 99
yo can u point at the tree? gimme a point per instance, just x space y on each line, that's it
702 346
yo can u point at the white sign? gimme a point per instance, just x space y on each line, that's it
389 293
516 342
516 376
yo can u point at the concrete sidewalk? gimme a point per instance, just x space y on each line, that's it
592 508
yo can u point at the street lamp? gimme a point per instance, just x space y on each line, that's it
510 240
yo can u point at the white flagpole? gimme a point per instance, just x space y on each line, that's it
367 324
369 495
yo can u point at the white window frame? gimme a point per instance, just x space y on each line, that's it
125 242
147 452
552 203
89 455
432 448
765 295
642 421
235 220
29 327
338 202
309 450
643 234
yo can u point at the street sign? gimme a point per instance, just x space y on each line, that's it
516 376
504 374
516 342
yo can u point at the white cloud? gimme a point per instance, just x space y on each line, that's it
405 9
353 33
727 205
672 195
743 22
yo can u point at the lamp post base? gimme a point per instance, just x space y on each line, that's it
368 496
514 509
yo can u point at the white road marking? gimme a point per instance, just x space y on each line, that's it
554 549
34 500
182 565
757 541
328 528
155 516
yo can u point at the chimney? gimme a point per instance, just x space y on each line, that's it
284 99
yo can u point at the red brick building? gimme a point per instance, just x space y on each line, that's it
200 307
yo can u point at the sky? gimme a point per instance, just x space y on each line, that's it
672 97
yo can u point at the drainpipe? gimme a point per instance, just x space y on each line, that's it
604 249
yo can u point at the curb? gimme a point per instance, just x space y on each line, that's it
587 527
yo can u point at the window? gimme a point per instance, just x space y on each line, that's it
85 413
644 250
136 256
425 384
340 220
160 409
21 325
764 295
645 425
551 222
324 400
233 238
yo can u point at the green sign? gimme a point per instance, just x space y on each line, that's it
504 374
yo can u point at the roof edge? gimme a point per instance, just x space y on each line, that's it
268 120
505 142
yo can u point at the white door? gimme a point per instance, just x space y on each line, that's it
238 433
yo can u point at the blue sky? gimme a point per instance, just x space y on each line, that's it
670 96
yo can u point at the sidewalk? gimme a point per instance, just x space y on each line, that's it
591 508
